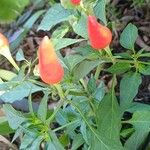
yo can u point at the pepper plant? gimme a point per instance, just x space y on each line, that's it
87 111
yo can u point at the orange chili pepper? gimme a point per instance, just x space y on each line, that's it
50 69
3 41
100 36
75 2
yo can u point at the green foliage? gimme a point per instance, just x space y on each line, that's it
10 9
119 68
141 122
100 12
87 109
128 89
129 36
80 27
53 16
108 117
4 126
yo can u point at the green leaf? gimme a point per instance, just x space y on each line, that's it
83 130
141 122
100 10
80 27
83 68
36 143
15 90
20 55
4 126
100 91
64 42
129 36
138 106
91 85
56 145
7 75
77 142
72 60
56 14
140 119
98 142
119 68
128 89
30 22
136 139
125 133
26 141
64 139
20 34
15 118
145 70
60 32
108 117
61 117
42 110
10 9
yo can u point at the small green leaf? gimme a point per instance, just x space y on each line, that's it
129 36
138 106
84 130
127 132
55 143
26 141
83 68
4 126
7 75
100 92
91 85
64 42
128 89
80 27
30 22
72 60
77 142
60 32
15 118
15 90
20 55
42 110
140 119
36 143
141 122
119 68
53 16
145 70
99 10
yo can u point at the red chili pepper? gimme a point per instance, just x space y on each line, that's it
3 41
75 2
51 71
99 35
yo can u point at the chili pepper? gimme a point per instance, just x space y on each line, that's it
100 36
75 2
50 69
3 41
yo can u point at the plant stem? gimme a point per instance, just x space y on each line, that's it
108 51
66 125
84 85
62 98
98 70
50 119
